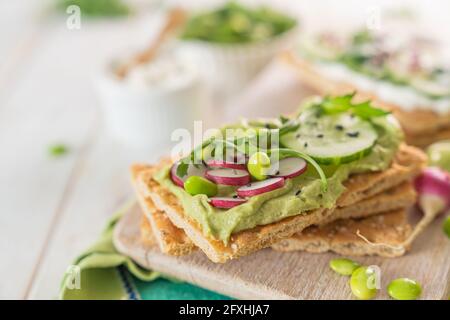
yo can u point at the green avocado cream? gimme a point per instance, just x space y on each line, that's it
298 196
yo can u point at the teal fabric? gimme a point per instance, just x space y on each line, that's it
163 289
101 272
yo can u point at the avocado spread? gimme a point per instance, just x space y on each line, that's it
298 195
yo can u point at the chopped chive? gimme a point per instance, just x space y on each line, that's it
57 150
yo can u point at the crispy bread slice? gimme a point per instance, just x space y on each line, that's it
409 161
147 236
170 239
408 164
398 197
174 241
390 229
417 123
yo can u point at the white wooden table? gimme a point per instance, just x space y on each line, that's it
53 208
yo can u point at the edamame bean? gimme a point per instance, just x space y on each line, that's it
258 165
404 289
363 282
344 266
197 185
439 154
446 226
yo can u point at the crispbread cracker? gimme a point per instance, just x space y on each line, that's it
398 197
147 236
402 196
420 123
390 229
408 164
170 239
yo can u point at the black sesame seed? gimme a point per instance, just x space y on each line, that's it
320 135
298 192
339 127
277 173
320 196
353 134
249 185
306 144
297 136
235 196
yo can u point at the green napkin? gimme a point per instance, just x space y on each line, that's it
101 272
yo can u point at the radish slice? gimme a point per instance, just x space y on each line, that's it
193 170
225 202
259 187
225 164
228 177
289 168
433 186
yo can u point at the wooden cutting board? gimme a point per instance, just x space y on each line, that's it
269 274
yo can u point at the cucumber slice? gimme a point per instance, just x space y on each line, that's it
332 139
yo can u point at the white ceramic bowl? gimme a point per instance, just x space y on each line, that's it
230 67
146 116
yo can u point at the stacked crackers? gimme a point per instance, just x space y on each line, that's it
369 218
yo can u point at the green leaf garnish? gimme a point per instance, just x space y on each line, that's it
339 104
182 168
366 111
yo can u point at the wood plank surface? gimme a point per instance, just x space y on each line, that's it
268 274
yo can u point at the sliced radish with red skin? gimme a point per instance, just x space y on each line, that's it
225 202
289 168
193 170
228 177
225 164
260 187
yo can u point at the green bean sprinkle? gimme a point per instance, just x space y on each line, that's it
344 266
404 289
